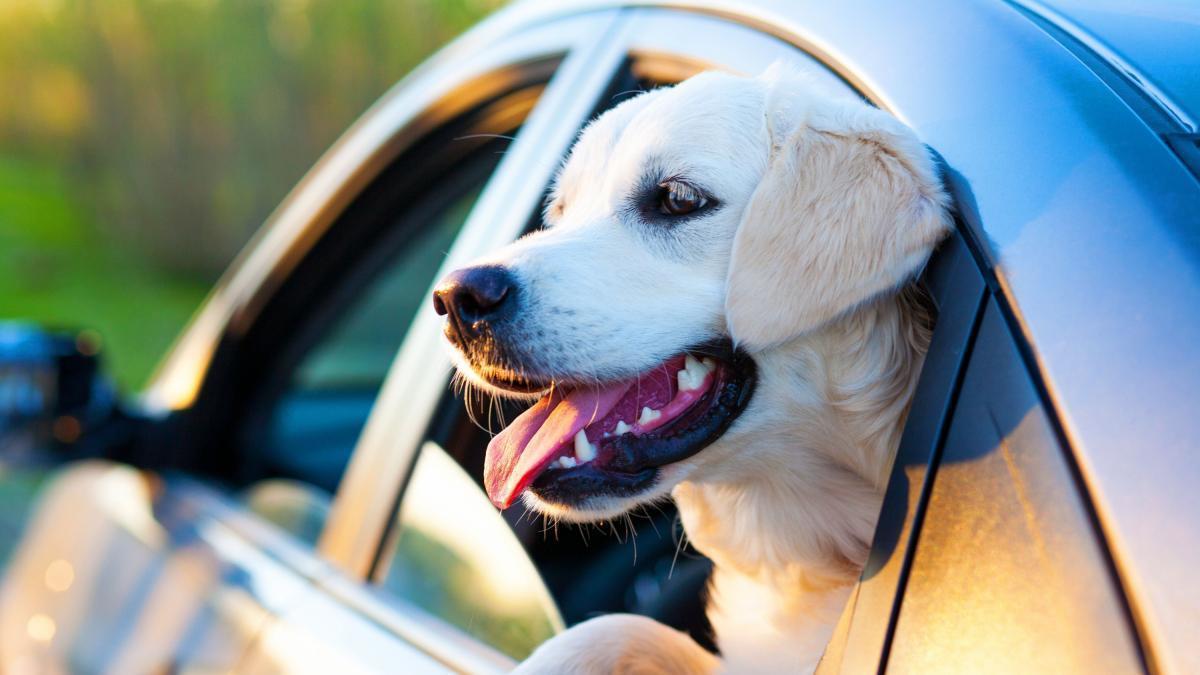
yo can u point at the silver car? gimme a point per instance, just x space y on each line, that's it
298 488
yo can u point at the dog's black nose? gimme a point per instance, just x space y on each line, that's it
473 296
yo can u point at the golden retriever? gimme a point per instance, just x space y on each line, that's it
719 309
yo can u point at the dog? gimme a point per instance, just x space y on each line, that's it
720 309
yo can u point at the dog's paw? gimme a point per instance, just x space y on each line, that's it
619 643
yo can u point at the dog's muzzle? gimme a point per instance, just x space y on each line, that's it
584 438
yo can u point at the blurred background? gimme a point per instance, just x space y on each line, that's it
143 141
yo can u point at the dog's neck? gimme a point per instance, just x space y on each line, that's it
800 497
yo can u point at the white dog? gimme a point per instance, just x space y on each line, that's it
718 310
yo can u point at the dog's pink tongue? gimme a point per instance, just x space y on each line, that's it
516 454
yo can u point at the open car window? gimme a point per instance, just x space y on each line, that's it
642 565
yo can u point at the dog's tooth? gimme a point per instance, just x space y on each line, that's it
693 374
648 415
584 450
622 428
567 462
687 380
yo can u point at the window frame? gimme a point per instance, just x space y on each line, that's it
386 449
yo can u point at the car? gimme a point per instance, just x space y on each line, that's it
298 489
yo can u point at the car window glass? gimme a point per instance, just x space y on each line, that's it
356 353
456 557
329 396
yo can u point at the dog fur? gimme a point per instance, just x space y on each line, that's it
826 210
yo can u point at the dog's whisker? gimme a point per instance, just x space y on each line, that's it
680 543
631 533
482 135
627 92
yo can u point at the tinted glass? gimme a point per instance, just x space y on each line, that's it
329 395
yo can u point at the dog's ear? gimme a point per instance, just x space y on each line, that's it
849 207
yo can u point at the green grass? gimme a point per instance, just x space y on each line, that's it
55 271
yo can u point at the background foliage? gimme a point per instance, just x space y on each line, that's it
142 141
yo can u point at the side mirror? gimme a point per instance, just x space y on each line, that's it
51 390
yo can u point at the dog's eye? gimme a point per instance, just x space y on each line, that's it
676 198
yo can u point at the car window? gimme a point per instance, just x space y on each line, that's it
1009 573
641 564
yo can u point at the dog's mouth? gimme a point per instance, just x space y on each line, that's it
611 439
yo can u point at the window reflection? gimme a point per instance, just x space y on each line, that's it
456 557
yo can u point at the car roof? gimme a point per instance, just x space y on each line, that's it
1090 229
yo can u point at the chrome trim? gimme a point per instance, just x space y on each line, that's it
1114 59
365 503
670 45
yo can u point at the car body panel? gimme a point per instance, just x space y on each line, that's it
1154 41
115 575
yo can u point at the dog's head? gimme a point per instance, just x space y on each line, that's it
692 230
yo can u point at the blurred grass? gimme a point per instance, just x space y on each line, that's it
57 270
142 141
